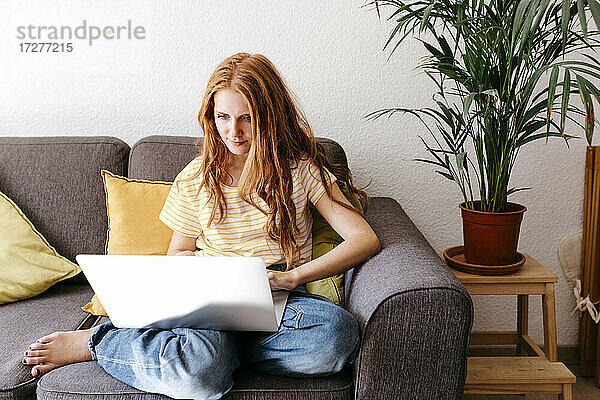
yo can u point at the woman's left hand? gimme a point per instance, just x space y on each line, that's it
282 280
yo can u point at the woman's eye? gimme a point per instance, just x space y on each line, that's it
249 119
221 116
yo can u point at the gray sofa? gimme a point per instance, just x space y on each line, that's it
415 317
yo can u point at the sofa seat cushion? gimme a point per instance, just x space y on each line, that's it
88 380
23 322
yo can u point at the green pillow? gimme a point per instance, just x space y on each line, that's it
324 239
29 264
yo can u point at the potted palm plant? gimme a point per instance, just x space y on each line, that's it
505 72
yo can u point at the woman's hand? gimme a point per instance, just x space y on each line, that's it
181 245
282 280
186 253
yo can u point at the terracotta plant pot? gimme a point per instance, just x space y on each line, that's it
492 238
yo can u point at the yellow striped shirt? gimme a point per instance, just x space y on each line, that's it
242 232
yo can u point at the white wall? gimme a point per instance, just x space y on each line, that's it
330 53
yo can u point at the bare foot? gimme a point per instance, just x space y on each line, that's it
56 349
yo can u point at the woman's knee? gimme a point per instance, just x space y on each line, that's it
205 366
339 341
330 344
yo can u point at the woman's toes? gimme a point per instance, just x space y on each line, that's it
48 338
34 353
37 346
33 360
40 370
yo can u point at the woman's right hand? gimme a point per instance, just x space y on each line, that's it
182 245
186 253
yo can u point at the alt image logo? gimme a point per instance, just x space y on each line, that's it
37 36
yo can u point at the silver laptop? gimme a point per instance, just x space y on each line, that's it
223 293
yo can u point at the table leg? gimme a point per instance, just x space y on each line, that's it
549 323
567 393
522 322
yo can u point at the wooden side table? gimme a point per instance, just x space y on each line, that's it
531 370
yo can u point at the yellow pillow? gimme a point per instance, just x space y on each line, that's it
324 239
29 265
94 307
133 206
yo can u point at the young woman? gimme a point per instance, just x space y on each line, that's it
246 194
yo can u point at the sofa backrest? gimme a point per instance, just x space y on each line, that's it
56 182
163 157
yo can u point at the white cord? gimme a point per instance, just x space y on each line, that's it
585 304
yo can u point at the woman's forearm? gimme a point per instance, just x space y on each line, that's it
346 255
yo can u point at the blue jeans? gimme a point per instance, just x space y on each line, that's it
316 337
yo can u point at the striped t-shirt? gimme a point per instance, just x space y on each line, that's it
243 231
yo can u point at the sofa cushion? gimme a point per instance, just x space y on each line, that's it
161 158
133 206
56 182
23 322
325 239
29 264
66 383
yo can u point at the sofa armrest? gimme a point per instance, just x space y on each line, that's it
415 316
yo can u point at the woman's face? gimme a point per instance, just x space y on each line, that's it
232 118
